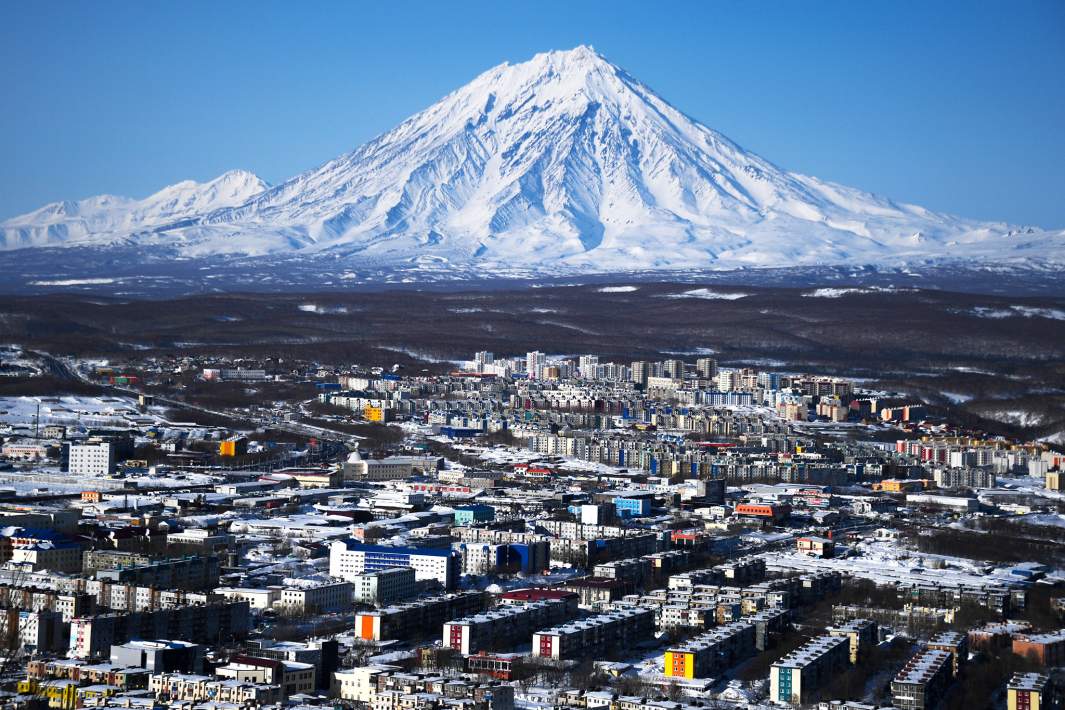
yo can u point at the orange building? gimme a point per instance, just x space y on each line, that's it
898 485
815 546
1044 649
770 511
233 446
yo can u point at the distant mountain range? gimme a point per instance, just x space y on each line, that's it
564 164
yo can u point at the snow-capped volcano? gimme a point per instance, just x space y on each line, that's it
563 162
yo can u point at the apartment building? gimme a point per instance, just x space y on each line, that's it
409 691
292 676
317 598
495 558
350 558
58 556
922 681
795 678
201 538
68 604
1031 691
120 677
384 587
635 569
32 631
90 459
93 636
593 635
192 572
707 654
503 627
359 684
176 687
1044 649
862 635
417 618
954 643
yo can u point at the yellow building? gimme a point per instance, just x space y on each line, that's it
319 479
90 695
376 414
61 694
896 485
1054 480
1026 690
862 635
680 664
709 653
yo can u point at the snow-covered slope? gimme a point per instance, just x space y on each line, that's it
561 163
108 217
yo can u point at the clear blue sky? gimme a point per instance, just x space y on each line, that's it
957 106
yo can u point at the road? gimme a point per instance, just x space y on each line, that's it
66 368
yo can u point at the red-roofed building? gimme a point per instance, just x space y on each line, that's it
538 594
771 511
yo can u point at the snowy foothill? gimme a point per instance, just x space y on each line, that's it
840 292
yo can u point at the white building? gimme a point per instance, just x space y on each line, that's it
293 677
349 558
37 630
257 598
317 599
706 367
393 468
358 684
201 537
57 557
533 362
385 586
91 459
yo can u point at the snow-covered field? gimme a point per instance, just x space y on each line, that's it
75 411
888 563
709 294
1029 485
1055 520
1018 311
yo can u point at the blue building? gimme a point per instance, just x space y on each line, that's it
491 558
458 432
632 505
350 558
473 514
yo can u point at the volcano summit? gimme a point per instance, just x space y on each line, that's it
564 164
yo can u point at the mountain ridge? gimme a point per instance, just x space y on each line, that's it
566 162
68 221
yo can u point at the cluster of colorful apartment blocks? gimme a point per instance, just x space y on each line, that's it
922 682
